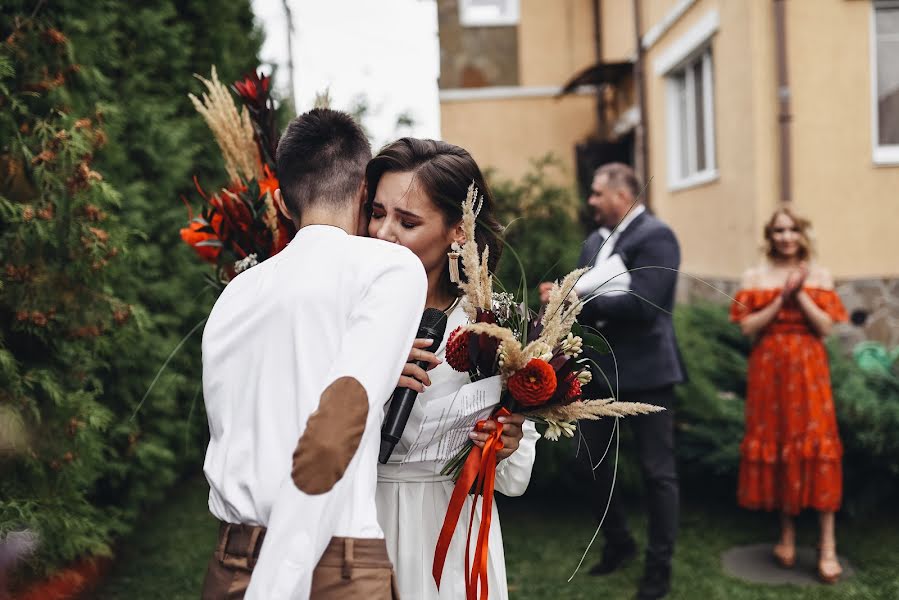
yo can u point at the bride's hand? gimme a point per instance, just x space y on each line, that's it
413 376
512 434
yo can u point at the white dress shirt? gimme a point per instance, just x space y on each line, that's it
329 305
609 275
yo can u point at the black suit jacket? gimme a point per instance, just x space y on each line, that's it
639 333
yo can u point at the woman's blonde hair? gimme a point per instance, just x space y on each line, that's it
803 226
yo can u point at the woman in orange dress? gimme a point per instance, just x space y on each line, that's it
790 458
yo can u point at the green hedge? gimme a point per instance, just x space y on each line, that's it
542 237
97 288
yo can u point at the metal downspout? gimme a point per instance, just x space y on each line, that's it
783 98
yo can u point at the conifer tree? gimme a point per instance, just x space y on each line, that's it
98 146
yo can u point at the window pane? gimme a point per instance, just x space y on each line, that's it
496 7
680 86
699 112
887 26
887 20
488 12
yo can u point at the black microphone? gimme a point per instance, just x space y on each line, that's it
433 326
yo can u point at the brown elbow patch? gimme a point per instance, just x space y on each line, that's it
331 438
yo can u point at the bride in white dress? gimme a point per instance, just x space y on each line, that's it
416 188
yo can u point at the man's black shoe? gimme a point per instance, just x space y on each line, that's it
655 584
614 556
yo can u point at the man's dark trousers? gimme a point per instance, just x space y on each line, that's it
654 440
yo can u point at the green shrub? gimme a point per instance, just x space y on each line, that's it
709 410
61 247
542 237
867 406
97 287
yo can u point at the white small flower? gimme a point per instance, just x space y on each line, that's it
245 263
553 431
585 377
542 350
502 305
572 345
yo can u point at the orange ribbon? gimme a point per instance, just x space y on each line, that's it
479 470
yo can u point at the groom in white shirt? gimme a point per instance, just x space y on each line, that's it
300 353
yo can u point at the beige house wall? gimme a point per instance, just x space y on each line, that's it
765 126
555 40
507 133
654 11
715 222
617 31
853 204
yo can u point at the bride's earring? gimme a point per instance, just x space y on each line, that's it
454 254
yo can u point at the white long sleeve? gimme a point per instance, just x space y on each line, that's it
372 351
328 307
514 473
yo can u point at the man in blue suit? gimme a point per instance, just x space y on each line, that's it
633 313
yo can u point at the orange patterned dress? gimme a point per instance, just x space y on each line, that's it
790 458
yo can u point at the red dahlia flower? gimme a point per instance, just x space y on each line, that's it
574 388
457 350
534 384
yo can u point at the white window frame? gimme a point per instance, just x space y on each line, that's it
678 180
472 16
679 57
887 154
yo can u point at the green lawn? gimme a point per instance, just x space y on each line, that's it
167 557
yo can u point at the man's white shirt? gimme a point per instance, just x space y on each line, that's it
329 305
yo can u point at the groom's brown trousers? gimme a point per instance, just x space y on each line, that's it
350 568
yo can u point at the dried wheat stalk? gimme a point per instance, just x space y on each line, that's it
233 131
592 410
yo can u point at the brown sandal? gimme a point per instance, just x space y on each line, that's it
829 556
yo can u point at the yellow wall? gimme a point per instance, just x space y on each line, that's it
714 222
617 31
653 11
507 133
765 126
555 41
853 204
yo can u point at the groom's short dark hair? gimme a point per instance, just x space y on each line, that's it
321 159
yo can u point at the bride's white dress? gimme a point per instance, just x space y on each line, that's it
413 497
